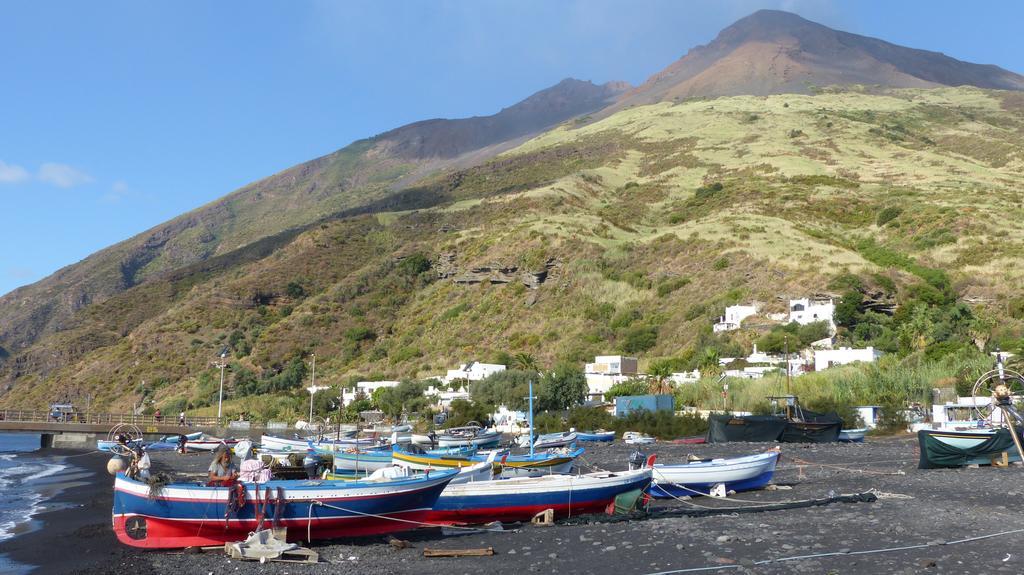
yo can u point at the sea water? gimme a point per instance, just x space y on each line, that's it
21 494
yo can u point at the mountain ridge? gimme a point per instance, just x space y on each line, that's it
772 52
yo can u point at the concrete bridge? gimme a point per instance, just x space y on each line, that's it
83 429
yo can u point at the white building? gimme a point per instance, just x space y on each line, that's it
805 310
364 388
826 358
473 371
508 421
443 398
734 316
685 377
606 371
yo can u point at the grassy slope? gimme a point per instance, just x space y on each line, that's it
803 177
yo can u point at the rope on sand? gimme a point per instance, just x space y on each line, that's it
843 553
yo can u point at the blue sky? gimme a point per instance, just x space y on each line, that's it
116 116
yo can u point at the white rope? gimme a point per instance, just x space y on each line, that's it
322 504
837 553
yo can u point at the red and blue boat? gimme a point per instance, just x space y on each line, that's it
520 498
190 515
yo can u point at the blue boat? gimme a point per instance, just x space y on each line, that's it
599 435
542 463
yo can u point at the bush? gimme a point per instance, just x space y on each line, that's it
294 290
639 338
360 333
720 264
624 388
414 265
670 285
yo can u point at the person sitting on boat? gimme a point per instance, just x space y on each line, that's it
222 469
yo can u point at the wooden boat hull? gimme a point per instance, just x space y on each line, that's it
596 436
521 498
513 466
738 474
274 443
853 435
209 444
958 448
184 515
481 440
554 440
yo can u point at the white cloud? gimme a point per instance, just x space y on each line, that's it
12 173
118 191
63 175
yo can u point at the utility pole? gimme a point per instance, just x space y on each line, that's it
220 396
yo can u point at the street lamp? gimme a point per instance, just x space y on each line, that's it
220 396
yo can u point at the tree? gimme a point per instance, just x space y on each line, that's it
659 371
525 362
709 362
626 388
508 388
562 388
848 309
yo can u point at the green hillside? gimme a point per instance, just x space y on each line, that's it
653 219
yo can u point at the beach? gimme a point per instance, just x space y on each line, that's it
913 507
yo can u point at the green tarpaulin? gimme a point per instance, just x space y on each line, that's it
935 453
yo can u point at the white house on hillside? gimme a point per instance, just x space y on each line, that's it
734 316
364 388
443 398
826 358
805 310
473 371
606 371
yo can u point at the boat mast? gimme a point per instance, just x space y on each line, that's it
531 418
789 392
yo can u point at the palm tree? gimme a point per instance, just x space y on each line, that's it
659 371
525 362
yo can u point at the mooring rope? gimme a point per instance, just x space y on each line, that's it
839 553
399 519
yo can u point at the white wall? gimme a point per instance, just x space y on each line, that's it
825 358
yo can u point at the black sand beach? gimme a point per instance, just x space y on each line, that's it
915 507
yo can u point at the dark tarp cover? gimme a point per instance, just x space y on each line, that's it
724 428
936 453
815 428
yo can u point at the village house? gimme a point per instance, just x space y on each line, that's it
443 398
809 310
734 316
364 389
826 358
606 371
472 371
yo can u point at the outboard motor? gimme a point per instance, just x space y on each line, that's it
637 460
311 463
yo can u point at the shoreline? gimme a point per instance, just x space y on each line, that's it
72 532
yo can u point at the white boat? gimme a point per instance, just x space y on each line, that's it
700 477
208 443
469 436
637 438
552 440
520 498
274 443
852 435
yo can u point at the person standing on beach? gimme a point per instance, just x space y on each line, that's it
222 469
181 419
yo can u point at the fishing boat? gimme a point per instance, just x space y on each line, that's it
552 440
637 438
208 443
187 515
469 436
188 436
700 477
109 444
520 498
360 460
545 463
274 443
940 448
599 435
853 435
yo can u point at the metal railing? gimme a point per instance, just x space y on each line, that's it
44 416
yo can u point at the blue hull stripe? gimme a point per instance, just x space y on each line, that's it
579 496
667 490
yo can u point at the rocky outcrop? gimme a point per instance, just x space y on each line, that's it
496 274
